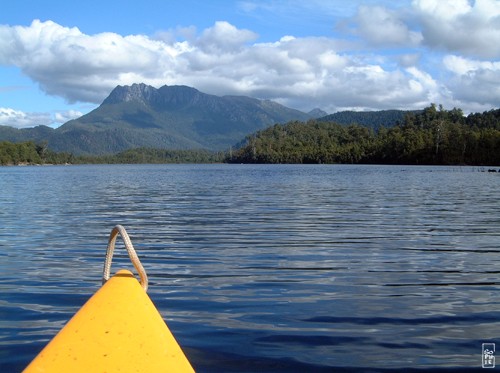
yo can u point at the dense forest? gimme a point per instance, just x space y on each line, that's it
29 153
432 136
152 156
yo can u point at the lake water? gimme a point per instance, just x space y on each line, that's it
260 268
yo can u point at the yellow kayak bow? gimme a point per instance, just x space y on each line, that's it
118 330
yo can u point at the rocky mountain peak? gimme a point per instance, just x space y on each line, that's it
147 95
136 92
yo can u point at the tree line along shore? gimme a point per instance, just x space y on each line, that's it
433 136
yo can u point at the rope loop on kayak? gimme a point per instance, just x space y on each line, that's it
131 253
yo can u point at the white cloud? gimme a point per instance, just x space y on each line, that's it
64 116
79 67
427 85
461 66
302 72
224 37
444 9
19 119
381 26
461 26
473 81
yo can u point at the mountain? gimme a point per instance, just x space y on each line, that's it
374 119
175 117
317 113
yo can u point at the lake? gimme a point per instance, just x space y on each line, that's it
264 268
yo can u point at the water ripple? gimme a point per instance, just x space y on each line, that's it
264 268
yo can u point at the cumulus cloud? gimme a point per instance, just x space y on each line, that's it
224 37
463 66
303 72
381 26
461 26
61 117
67 63
474 81
19 119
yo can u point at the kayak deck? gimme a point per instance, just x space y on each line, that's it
118 330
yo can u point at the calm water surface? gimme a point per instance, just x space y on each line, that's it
264 268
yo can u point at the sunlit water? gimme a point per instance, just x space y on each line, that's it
264 268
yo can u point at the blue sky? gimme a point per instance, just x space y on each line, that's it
60 59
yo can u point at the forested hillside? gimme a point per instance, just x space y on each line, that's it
372 119
431 136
